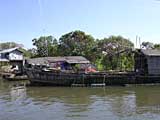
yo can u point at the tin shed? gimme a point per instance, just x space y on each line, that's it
148 62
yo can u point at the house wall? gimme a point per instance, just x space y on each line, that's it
3 56
140 65
154 65
15 55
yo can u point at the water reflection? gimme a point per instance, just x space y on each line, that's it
18 92
113 103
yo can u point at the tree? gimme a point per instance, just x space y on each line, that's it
76 43
147 45
45 46
30 53
8 45
157 46
115 53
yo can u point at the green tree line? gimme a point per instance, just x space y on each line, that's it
111 53
101 52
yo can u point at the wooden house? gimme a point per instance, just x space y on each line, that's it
13 56
147 62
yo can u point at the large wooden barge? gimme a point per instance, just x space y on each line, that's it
68 75
88 79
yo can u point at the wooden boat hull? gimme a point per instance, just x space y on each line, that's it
69 79
63 79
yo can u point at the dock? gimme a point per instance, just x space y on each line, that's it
13 77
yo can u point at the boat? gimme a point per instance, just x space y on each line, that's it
63 71
16 78
13 77
78 71
59 78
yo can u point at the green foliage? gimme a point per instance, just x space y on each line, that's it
112 53
76 43
104 53
45 46
28 53
116 53
8 45
157 46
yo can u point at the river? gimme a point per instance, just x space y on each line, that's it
20 102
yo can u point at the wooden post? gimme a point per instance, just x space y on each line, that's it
104 79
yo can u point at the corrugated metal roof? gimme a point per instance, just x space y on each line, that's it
47 60
151 52
9 50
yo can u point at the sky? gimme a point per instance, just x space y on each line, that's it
23 20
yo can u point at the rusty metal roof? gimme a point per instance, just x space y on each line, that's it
10 50
68 59
151 52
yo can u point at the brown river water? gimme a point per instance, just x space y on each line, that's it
20 102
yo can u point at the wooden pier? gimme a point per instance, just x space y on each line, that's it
12 77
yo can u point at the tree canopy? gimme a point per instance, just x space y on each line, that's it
45 46
76 43
7 45
112 53
157 46
147 45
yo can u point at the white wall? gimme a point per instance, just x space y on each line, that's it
15 55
